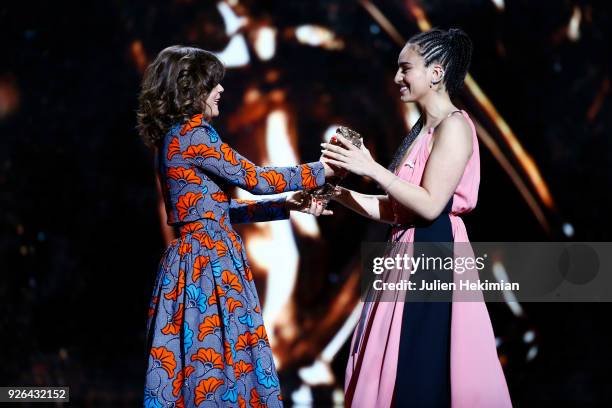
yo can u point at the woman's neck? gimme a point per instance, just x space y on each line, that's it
434 108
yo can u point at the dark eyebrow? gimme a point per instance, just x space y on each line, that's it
400 63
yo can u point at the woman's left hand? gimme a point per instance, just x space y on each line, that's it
349 157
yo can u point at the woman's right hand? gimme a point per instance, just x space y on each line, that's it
329 170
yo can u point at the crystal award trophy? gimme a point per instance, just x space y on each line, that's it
326 191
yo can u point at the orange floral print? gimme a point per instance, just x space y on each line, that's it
166 359
308 179
206 389
177 384
275 179
209 357
244 341
248 275
227 350
185 174
175 293
174 325
197 270
222 223
235 241
242 368
173 148
220 197
201 151
221 248
187 203
195 121
260 337
200 263
228 154
210 325
204 239
232 304
219 291
242 201
191 227
250 177
255 400
152 307
231 280
184 248
209 215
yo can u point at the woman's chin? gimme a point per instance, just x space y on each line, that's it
406 98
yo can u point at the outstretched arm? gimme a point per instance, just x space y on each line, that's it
274 209
248 211
450 153
202 147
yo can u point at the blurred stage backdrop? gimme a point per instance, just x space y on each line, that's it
82 228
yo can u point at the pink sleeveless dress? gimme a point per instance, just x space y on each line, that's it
476 376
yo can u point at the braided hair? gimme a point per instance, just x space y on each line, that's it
453 50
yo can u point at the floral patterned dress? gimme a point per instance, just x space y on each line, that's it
205 335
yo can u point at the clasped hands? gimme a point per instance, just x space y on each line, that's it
339 157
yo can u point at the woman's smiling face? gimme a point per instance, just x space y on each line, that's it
211 108
412 76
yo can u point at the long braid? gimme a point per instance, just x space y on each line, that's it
405 145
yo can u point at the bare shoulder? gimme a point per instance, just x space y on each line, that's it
454 133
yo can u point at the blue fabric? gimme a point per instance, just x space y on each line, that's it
423 366
207 345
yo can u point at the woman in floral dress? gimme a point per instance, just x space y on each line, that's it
205 335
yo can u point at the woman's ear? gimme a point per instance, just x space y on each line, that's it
437 74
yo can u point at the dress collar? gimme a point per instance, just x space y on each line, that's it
193 122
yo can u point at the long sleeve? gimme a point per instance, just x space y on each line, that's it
248 211
202 147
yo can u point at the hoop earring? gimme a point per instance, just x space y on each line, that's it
437 82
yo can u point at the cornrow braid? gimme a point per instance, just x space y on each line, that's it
405 145
453 50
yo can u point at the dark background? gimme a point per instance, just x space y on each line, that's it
79 229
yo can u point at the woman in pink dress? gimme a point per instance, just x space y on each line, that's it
424 354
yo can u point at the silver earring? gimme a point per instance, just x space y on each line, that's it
437 82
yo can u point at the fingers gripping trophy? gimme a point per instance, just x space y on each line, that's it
326 192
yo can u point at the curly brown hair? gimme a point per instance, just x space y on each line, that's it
174 88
